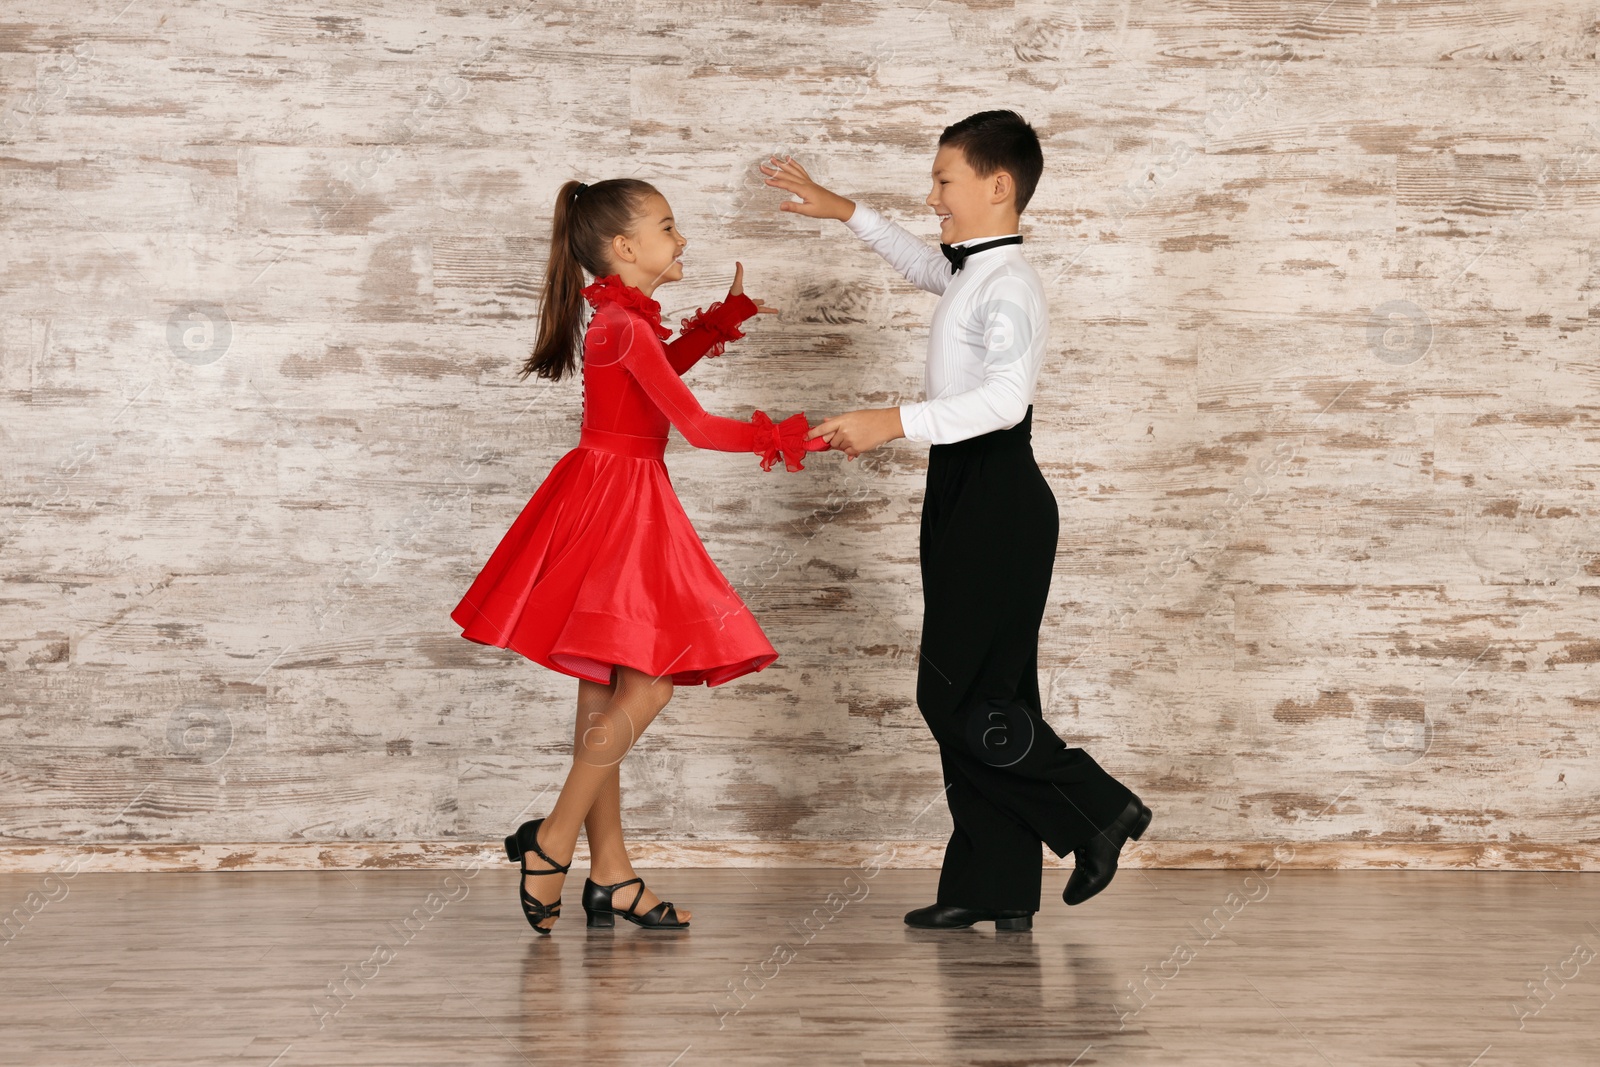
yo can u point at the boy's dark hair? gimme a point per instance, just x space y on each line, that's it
580 240
999 140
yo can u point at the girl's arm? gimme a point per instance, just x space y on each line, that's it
643 356
923 266
708 332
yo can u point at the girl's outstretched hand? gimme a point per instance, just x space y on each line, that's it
737 288
815 201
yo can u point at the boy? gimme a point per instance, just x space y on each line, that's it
988 534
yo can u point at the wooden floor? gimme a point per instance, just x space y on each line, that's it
1356 967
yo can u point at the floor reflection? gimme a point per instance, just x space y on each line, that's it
606 991
1008 990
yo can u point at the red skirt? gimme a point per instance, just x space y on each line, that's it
604 567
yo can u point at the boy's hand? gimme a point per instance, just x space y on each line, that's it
856 432
737 288
815 201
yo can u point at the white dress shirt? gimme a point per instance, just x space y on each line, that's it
987 340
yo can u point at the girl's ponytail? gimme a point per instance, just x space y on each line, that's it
586 218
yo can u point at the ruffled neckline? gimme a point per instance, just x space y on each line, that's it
612 289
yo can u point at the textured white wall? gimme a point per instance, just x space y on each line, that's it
1319 412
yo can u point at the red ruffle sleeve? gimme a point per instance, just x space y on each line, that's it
787 437
707 332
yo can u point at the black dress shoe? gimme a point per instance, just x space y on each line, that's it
1096 862
950 917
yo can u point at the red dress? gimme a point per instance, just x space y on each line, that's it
603 565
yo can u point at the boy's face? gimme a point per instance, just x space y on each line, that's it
967 205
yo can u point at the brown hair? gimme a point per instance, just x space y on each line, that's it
1000 140
586 218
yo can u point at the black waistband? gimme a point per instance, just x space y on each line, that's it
1018 436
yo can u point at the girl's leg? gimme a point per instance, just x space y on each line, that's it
608 854
605 734
609 862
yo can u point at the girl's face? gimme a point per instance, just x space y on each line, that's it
655 246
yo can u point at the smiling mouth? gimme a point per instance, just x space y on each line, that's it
943 219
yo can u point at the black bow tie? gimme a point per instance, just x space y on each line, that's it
958 256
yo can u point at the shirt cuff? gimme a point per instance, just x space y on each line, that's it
862 220
910 423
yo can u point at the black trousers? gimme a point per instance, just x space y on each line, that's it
988 545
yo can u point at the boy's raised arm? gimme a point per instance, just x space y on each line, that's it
922 266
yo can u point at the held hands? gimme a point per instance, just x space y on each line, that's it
856 432
815 201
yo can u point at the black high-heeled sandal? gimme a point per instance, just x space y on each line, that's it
597 903
518 845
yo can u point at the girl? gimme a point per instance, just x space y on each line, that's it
602 576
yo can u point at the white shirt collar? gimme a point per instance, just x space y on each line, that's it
990 237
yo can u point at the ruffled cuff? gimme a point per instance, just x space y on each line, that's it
787 437
722 319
